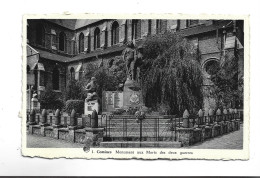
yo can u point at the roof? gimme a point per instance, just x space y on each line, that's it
53 56
97 53
73 24
203 28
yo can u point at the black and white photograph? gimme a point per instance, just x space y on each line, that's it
111 86
130 88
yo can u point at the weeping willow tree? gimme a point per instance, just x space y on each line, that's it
171 74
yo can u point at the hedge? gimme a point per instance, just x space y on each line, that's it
77 105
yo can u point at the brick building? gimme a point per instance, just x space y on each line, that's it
62 48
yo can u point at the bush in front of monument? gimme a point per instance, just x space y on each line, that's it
51 100
77 105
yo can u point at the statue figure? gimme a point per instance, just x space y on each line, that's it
34 94
133 58
91 90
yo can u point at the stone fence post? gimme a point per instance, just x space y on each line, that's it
206 116
94 135
32 117
73 118
72 126
185 117
43 116
211 115
94 119
57 118
200 117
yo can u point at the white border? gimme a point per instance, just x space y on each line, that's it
94 153
11 161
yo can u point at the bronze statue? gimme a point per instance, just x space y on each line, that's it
91 90
133 58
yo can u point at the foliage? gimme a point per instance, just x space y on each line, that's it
108 78
171 74
118 69
229 87
77 105
51 100
74 90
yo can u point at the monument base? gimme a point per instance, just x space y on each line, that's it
90 106
132 95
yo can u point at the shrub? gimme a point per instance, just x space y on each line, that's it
74 90
77 105
51 100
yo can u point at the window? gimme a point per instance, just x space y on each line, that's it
81 42
149 27
97 38
62 41
40 34
89 43
136 29
161 26
126 30
72 73
115 33
56 79
106 38
211 67
192 22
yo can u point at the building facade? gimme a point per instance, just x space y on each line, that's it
64 48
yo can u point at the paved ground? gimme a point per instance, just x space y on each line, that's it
233 140
34 141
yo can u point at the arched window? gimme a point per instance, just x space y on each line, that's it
40 34
56 79
62 41
97 38
136 29
72 73
81 42
212 66
115 33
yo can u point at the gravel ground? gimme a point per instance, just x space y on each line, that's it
34 141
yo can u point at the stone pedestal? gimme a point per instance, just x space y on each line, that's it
225 127
71 136
185 136
42 131
202 127
90 106
132 95
56 131
208 131
216 130
94 136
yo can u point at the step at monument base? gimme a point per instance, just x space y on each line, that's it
140 144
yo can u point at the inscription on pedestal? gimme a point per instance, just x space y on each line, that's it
112 101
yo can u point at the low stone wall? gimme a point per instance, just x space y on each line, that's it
190 136
70 135
66 127
85 129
